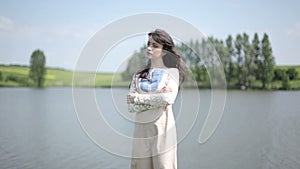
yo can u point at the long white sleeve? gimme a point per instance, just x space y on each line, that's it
161 99
132 107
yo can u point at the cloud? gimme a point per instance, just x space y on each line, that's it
6 24
295 30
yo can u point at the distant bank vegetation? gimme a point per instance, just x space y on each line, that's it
246 64
17 76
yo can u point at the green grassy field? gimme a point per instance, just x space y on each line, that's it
17 76
59 77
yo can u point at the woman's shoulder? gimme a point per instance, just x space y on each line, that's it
137 73
172 70
173 73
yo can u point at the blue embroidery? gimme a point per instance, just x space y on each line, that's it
155 77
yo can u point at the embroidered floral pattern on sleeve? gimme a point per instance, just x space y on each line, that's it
137 107
157 100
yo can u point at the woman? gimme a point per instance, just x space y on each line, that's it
153 90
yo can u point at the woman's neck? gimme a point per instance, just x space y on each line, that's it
157 63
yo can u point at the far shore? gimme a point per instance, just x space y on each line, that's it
58 77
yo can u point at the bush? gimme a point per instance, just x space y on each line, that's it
278 74
292 73
17 79
286 82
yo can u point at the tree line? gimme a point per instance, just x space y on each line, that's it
247 63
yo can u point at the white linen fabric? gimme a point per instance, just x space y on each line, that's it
155 143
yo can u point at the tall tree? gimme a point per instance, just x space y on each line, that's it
136 62
285 81
239 56
193 55
1 77
231 68
37 68
249 65
267 63
256 52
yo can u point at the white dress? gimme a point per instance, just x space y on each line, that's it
155 143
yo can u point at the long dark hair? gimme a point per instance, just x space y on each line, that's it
171 58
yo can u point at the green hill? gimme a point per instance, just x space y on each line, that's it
17 76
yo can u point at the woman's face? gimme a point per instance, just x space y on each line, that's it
154 49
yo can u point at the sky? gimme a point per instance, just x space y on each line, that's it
62 28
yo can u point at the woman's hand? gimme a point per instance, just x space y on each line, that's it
130 98
166 90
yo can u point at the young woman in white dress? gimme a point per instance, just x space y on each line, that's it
153 90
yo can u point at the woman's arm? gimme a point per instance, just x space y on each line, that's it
132 107
138 107
161 99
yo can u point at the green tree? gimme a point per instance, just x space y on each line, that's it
256 52
37 68
192 55
286 82
278 74
1 77
249 62
292 73
223 54
239 58
267 63
136 62
231 68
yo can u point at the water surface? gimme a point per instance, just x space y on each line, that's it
39 129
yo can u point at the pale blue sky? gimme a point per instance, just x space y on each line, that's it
62 28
